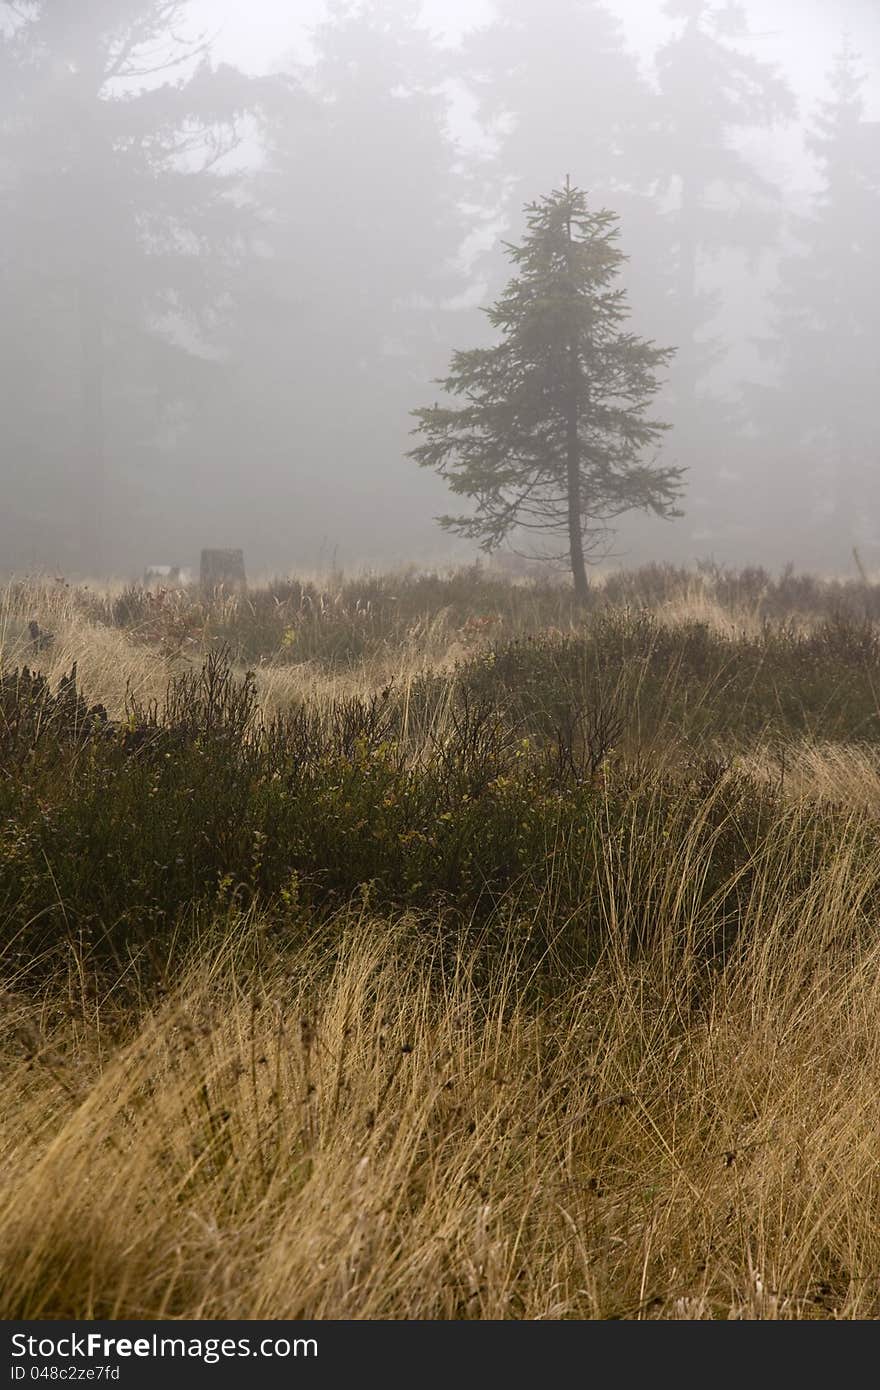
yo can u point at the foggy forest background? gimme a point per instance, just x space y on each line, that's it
222 294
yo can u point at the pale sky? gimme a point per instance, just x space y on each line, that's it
801 34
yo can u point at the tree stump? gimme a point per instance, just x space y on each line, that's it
222 571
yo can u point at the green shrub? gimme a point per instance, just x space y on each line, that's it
113 841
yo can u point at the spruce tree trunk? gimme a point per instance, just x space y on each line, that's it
578 567
573 459
575 534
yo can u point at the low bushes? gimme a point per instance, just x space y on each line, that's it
113 834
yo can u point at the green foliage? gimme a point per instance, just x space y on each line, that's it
292 621
523 790
688 683
380 617
34 720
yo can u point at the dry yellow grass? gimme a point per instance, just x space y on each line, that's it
336 1136
342 1130
108 663
111 665
845 773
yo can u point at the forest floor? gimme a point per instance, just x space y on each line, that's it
423 947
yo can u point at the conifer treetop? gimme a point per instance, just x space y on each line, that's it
555 424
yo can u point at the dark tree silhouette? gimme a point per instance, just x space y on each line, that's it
348 303
711 90
555 427
819 417
117 227
556 88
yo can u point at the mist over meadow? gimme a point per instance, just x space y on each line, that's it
383 937
237 251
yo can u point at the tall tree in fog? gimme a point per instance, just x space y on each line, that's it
554 430
553 80
111 129
720 215
556 89
712 91
361 197
821 416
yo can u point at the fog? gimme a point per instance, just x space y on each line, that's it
239 244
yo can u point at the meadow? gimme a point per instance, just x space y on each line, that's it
425 946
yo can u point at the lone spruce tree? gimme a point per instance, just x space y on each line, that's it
555 425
